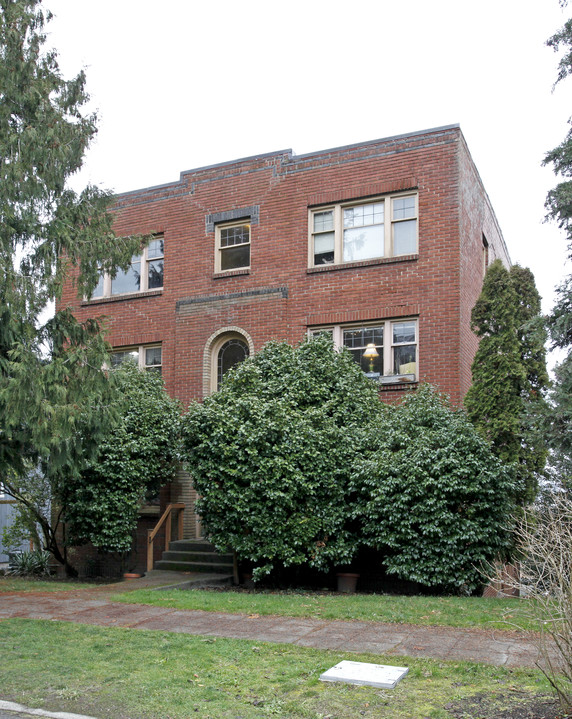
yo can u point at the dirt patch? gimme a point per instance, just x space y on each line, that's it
513 705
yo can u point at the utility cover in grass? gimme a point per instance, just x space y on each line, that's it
374 675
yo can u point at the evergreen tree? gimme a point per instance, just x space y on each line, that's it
559 322
559 199
509 372
559 422
55 400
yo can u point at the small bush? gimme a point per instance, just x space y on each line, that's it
544 541
33 563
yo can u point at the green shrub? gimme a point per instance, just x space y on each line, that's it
432 495
136 457
298 463
272 452
32 563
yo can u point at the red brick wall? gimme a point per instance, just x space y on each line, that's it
478 221
439 285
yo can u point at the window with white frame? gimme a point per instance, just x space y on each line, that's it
233 246
145 357
385 350
145 273
352 232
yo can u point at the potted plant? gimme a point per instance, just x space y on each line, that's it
346 580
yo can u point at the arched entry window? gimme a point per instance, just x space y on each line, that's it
230 353
224 348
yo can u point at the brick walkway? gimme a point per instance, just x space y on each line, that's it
447 643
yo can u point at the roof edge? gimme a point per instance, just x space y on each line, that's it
289 154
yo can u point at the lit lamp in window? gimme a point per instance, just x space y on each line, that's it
370 354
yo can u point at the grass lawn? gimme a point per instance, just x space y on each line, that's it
443 611
28 584
136 674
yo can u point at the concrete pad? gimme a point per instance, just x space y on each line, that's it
13 706
362 673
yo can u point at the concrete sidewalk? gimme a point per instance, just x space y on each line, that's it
447 643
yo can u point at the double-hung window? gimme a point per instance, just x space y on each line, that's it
145 272
385 350
233 246
146 357
353 232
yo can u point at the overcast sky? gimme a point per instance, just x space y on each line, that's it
180 84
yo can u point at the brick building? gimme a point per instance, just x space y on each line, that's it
383 243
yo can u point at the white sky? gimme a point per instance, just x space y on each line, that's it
179 84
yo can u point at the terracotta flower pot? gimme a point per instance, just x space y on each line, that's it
347 582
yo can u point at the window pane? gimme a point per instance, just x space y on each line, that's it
234 235
233 258
152 356
405 237
324 248
118 358
129 281
403 332
324 242
98 291
373 364
403 207
231 353
404 359
324 221
364 215
155 274
363 336
153 359
155 248
363 243
329 332
356 340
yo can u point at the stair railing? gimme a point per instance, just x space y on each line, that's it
151 533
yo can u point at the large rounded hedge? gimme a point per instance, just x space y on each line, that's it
271 455
433 498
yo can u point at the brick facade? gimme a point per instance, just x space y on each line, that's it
281 295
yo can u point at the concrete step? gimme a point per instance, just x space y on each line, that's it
184 566
192 545
205 557
195 555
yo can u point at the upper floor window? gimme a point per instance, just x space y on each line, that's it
385 350
386 227
485 255
145 357
233 246
145 273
